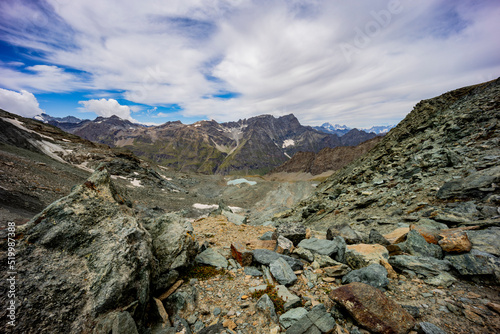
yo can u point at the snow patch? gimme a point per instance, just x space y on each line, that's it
205 206
289 157
288 142
197 125
240 181
136 183
21 126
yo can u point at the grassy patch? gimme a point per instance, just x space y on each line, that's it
201 273
273 294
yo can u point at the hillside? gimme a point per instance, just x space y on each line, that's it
326 160
440 164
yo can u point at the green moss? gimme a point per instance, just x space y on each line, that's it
201 273
279 304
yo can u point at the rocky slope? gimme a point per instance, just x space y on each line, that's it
326 160
253 145
439 164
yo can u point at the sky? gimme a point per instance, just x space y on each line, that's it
359 63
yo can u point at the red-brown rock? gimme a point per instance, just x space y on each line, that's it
455 241
372 309
431 235
241 254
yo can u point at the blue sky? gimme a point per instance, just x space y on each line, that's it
359 63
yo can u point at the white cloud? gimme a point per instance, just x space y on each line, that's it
282 56
22 103
107 108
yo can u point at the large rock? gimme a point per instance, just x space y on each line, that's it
174 247
335 248
212 258
240 253
455 241
337 270
234 218
315 321
265 257
266 306
83 256
374 275
486 240
350 236
372 309
295 232
429 233
398 235
375 237
426 266
475 185
289 298
283 246
304 254
475 263
362 255
282 272
289 318
416 245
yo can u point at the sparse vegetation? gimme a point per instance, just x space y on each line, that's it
279 304
201 272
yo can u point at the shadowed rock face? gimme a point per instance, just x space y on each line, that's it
86 255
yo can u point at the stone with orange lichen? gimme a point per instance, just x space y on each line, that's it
362 255
431 235
455 241
398 235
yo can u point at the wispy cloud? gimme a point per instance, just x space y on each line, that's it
359 63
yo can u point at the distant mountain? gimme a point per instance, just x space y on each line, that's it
341 130
327 160
379 129
48 119
254 145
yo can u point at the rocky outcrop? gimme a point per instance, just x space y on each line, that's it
326 160
86 257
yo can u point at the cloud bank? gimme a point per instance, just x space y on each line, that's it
107 108
22 103
356 63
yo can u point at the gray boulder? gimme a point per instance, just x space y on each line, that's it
84 256
477 184
428 328
267 236
350 236
376 237
304 254
234 218
266 306
416 245
266 256
374 275
335 248
212 258
426 266
315 321
295 232
487 240
289 318
474 263
282 272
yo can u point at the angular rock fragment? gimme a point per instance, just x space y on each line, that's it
295 232
362 255
282 272
212 258
283 246
350 236
265 257
426 266
416 245
372 309
374 275
455 242
241 254
335 248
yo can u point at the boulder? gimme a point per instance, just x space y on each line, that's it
455 241
333 248
362 255
295 232
266 306
372 309
304 254
350 236
487 240
374 275
426 266
82 257
429 233
282 272
416 245
234 218
324 261
376 238
337 270
265 257
283 246
252 271
398 235
240 253
474 263
212 258
289 298
267 236
476 185
443 279
289 318
315 321
428 328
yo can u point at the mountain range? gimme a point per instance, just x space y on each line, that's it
255 145
341 130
